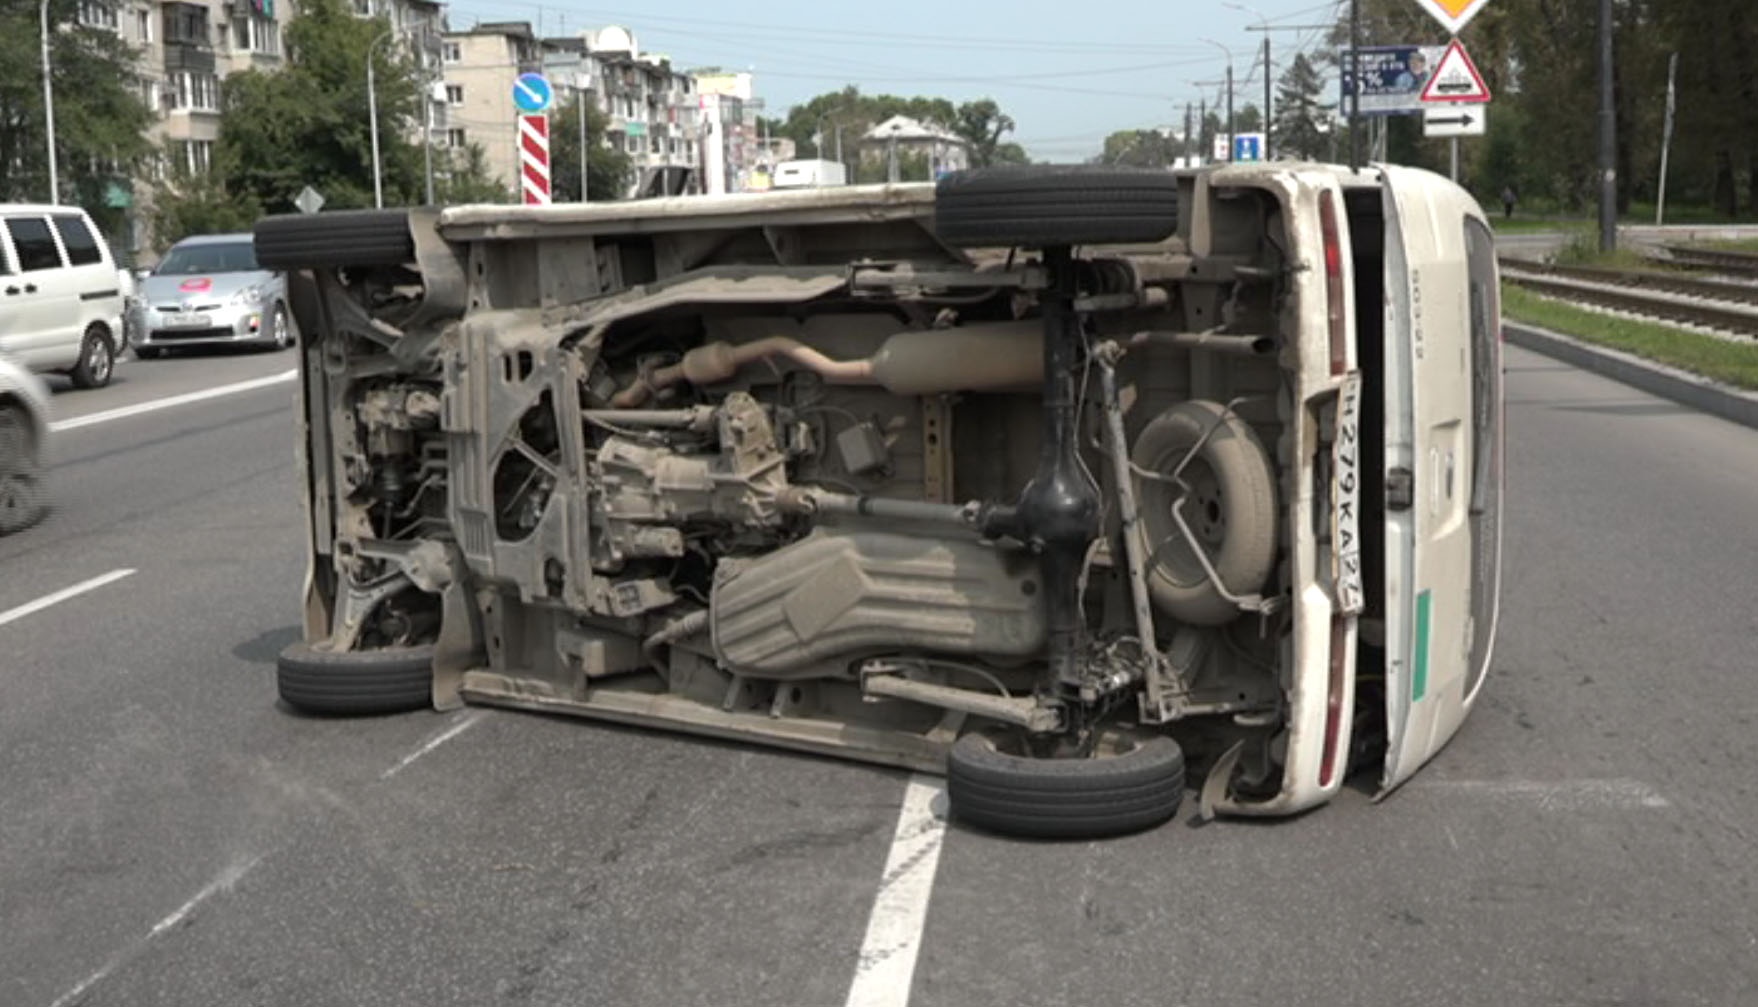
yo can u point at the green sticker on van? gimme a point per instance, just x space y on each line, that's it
1419 681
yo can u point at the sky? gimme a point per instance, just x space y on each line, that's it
1069 73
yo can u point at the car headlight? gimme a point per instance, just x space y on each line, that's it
249 295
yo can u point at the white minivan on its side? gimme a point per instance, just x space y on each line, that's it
60 294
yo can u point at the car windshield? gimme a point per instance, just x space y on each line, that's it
232 257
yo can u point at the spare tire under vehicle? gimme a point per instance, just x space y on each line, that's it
355 682
1134 781
1039 206
337 240
1231 508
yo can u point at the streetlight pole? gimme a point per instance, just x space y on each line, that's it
49 109
378 185
1263 26
1229 53
1608 136
427 81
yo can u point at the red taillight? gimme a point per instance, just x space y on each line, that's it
1334 699
1334 303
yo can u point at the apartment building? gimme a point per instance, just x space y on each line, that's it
188 48
650 107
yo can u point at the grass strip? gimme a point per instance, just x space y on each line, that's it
1730 362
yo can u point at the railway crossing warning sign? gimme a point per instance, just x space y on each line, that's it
1455 78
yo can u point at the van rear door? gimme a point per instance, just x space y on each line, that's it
1443 462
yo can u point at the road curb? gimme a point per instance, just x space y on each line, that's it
1683 387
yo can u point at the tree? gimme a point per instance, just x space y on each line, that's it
189 203
100 121
607 169
461 176
982 124
308 123
1248 120
1141 148
1299 112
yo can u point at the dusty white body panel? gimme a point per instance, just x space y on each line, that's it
731 465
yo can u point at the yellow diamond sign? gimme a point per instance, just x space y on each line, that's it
1453 13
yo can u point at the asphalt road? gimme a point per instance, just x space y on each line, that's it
172 836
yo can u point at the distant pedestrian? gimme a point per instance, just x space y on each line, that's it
1507 201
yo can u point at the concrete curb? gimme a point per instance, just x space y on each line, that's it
1689 389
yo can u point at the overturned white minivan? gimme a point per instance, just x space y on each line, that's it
1044 478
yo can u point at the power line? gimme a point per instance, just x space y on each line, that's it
823 36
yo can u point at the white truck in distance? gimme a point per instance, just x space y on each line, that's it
809 174
1046 478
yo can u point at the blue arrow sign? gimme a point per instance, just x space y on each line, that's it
532 93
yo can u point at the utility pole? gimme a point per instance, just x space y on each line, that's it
1608 136
49 109
1264 26
580 97
1666 139
1355 84
1269 128
378 187
1230 126
1187 134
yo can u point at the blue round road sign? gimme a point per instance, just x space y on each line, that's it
532 93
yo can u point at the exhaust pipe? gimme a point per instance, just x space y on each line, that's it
986 357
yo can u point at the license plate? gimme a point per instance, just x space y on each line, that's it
1346 499
185 320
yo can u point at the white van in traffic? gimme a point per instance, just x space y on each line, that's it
61 298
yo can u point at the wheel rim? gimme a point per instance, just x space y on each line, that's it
97 360
279 321
1205 511
1112 743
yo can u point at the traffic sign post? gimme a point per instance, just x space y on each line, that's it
1455 78
532 93
309 200
532 96
534 159
1457 120
1453 14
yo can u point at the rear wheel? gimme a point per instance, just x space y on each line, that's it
352 682
1039 206
21 490
1133 780
97 359
335 240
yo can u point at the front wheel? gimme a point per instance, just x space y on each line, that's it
355 682
21 490
1132 780
280 327
97 360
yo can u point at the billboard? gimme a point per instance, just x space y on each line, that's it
1392 78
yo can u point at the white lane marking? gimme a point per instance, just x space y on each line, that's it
123 412
1562 795
15 614
887 964
227 879
436 741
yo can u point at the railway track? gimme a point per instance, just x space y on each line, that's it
1728 308
1725 260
